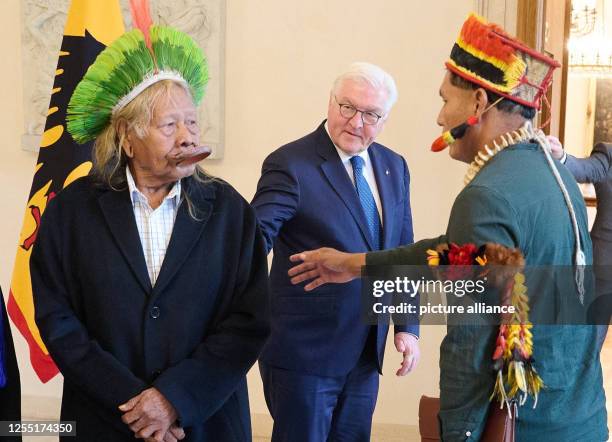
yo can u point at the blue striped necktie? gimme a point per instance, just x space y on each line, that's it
367 201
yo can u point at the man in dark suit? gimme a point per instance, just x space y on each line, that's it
337 187
10 388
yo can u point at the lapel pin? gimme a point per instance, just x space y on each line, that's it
387 172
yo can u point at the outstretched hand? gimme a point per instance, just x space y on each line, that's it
325 265
556 148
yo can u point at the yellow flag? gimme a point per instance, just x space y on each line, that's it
90 27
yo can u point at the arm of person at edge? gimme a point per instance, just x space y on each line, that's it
593 169
200 384
277 197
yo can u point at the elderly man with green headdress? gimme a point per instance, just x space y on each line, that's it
149 276
516 196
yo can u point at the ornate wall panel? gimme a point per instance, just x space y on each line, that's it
502 12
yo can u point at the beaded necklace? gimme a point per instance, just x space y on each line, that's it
486 153
526 132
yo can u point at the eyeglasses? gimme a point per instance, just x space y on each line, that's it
367 117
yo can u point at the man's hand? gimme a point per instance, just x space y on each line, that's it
556 148
174 434
408 345
325 265
149 415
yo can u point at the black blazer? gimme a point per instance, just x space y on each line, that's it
305 200
10 395
193 336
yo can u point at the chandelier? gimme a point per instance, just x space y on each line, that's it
589 46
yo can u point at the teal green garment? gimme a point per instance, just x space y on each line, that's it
515 201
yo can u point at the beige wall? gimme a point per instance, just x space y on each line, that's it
579 115
281 57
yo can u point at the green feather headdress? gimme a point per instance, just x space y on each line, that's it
126 68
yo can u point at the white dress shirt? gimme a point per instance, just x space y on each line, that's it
368 173
154 226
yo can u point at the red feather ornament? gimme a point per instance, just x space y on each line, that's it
141 19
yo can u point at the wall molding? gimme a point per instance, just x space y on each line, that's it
502 12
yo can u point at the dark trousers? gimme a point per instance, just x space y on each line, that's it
599 312
311 408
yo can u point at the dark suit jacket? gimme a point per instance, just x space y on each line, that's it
193 336
305 200
597 169
10 395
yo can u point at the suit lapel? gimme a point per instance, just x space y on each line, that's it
385 190
119 215
186 231
335 172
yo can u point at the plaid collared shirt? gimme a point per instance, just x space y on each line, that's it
154 226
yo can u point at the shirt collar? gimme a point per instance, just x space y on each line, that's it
345 157
137 195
